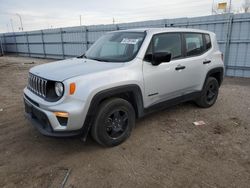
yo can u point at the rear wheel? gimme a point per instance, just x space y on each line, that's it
209 94
114 122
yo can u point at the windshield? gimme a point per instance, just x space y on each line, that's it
116 47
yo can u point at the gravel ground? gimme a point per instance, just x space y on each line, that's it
164 150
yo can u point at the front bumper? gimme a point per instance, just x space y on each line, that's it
41 114
42 123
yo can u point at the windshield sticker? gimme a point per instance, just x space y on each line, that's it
129 41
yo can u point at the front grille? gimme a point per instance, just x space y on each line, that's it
37 85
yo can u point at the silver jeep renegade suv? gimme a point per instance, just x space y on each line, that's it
123 76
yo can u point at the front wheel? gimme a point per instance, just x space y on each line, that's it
114 122
209 93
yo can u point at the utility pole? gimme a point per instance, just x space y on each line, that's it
80 20
230 5
20 18
8 29
11 23
212 10
113 20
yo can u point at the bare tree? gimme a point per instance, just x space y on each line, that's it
246 6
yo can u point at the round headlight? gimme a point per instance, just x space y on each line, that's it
59 89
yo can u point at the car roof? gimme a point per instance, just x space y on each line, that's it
167 29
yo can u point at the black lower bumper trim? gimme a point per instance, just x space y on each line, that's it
42 124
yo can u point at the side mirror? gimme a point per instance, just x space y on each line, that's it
160 57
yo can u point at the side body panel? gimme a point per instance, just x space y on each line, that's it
164 82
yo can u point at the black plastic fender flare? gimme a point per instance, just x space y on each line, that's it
107 93
215 70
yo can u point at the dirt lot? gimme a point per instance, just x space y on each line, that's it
164 150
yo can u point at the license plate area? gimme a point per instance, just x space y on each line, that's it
28 107
37 115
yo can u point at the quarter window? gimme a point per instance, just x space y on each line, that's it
194 44
207 42
169 42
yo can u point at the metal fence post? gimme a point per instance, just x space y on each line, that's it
62 43
4 39
44 52
1 46
117 27
28 45
86 38
228 38
83 38
15 43
165 23
187 23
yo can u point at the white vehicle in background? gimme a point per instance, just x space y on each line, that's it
123 76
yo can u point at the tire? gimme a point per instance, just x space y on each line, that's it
209 93
114 122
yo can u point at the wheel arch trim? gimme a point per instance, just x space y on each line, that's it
215 70
112 92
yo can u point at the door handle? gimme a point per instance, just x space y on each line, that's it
206 62
179 67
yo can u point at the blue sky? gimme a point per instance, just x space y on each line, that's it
43 14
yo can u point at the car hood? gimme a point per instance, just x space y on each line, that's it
65 69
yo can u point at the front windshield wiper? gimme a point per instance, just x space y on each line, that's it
82 56
96 59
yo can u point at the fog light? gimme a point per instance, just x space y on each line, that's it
61 114
62 120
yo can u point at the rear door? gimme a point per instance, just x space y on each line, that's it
195 60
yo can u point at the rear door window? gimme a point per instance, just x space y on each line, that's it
194 44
